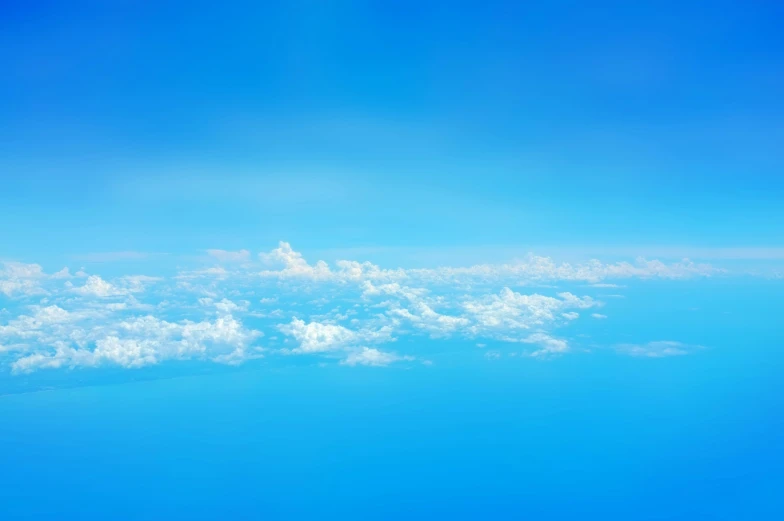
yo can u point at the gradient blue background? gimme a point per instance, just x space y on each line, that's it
188 125
405 131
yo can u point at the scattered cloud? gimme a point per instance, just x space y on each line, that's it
342 312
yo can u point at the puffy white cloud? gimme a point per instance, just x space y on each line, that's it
315 337
95 286
319 337
510 311
413 307
139 341
17 278
293 264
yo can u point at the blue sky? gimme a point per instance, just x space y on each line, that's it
311 260
494 124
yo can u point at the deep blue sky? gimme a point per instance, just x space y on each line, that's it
365 260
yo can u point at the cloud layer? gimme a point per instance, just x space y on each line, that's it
282 305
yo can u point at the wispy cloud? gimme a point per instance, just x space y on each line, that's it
658 349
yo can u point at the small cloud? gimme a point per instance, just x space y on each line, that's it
95 286
62 274
598 316
659 349
548 346
373 357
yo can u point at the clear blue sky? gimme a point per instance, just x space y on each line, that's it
364 260
413 123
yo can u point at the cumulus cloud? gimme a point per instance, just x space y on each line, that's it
510 311
293 264
138 342
20 279
315 337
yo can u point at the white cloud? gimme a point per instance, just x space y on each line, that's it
598 316
62 274
20 270
17 278
136 342
548 345
293 264
315 337
344 312
413 306
531 268
509 310
373 357
95 286
659 349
